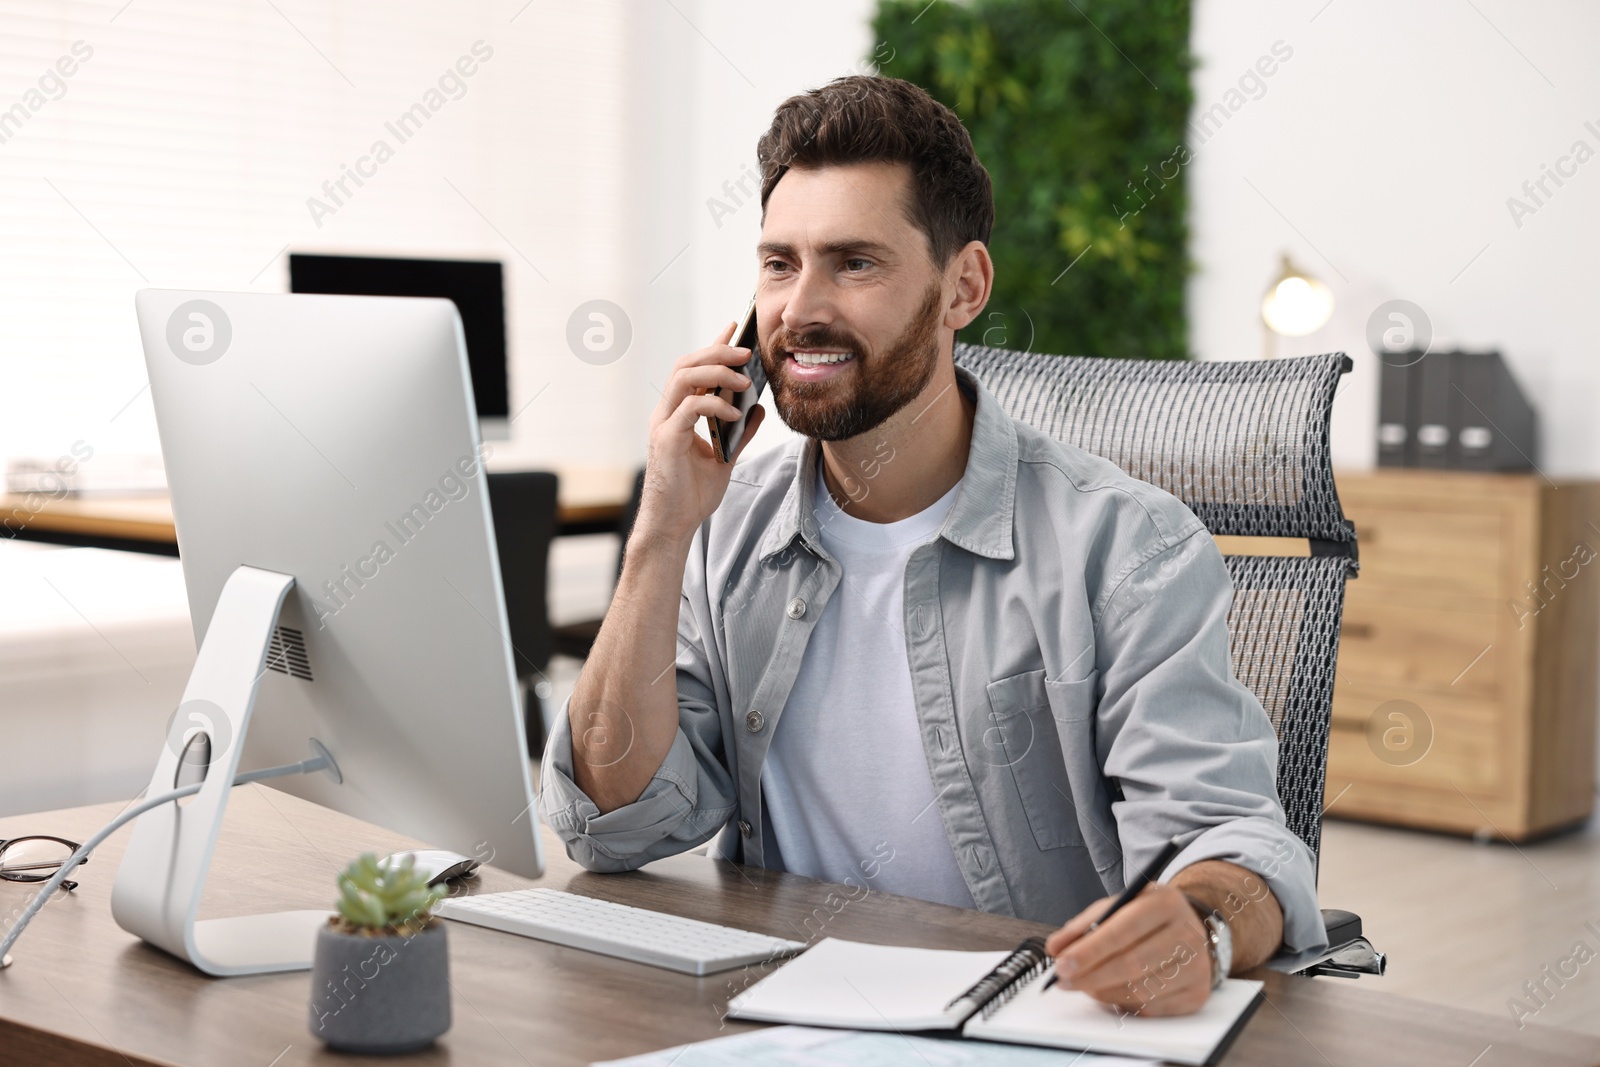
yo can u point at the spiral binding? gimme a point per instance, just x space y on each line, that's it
993 990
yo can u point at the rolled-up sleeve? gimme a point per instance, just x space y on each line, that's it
690 796
1190 748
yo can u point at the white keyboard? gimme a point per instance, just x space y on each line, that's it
652 937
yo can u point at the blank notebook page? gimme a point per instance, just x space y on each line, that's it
866 987
1066 1019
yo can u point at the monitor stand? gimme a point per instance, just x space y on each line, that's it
157 889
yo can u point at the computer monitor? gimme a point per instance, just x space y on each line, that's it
334 527
475 287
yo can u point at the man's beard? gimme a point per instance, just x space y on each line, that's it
883 383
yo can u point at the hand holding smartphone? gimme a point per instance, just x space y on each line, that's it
726 434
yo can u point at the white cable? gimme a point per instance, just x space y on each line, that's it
316 763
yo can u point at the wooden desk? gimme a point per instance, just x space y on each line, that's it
84 992
591 501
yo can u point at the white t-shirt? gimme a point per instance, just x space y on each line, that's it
846 783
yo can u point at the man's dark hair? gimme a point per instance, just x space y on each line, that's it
873 119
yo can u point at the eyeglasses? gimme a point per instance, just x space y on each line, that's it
35 859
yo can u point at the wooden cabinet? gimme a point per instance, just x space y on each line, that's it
1465 693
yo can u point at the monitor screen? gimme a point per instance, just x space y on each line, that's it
475 287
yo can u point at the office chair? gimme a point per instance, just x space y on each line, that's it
1245 446
523 504
576 639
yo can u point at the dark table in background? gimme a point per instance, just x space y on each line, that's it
591 501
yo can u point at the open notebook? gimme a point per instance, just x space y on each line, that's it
994 996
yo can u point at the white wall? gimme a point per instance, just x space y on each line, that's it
709 74
183 154
1387 146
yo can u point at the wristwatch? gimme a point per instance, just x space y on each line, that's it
1219 939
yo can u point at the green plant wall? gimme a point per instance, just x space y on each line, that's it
1077 109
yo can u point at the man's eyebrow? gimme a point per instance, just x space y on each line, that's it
835 247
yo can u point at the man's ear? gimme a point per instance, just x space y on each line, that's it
971 273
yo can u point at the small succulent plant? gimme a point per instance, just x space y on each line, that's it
379 898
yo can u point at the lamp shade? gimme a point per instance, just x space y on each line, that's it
1296 304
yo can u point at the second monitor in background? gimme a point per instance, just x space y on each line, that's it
475 287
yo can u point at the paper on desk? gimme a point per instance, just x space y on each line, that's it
805 1046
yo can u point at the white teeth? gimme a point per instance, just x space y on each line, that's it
811 359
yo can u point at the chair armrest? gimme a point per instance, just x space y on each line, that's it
1350 954
1343 926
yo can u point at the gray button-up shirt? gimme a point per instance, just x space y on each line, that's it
1068 643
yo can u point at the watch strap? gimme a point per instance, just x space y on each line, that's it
1209 915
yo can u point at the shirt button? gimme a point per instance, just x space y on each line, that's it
744 828
754 721
797 608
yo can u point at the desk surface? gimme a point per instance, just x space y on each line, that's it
589 497
84 992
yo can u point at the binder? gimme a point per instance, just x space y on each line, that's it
1492 425
1397 417
1434 441
1454 410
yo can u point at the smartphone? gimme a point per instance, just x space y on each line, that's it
727 433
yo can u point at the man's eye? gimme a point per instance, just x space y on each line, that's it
856 264
777 266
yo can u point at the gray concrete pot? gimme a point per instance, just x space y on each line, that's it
380 995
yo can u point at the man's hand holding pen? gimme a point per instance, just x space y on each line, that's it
1159 949
1149 958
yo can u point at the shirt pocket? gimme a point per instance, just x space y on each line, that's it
1022 737
1074 701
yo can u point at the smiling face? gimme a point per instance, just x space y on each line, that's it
850 303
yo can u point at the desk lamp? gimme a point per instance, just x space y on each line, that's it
1295 304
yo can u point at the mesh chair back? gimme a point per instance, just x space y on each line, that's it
1245 446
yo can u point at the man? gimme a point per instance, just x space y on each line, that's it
927 648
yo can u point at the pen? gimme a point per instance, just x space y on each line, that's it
1146 876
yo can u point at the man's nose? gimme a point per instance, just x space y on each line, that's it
810 304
